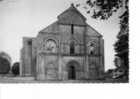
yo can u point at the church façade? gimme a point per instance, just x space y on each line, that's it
68 49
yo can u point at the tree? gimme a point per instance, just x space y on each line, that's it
122 45
117 61
6 56
15 68
103 9
4 66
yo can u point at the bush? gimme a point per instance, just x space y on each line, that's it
15 68
4 66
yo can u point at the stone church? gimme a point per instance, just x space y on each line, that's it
68 49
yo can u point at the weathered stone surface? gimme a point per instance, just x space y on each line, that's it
49 56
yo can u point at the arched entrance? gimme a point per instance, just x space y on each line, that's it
73 68
71 72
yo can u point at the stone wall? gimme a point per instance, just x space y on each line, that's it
36 61
26 57
66 61
47 67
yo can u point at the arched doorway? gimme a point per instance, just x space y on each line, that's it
71 72
73 68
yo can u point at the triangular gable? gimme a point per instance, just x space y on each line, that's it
92 32
53 28
72 16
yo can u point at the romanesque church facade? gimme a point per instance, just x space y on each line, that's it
68 49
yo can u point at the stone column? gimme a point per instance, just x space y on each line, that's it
101 56
21 63
86 66
40 68
59 68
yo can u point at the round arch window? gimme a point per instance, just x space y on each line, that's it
51 46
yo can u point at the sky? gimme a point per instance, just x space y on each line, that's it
25 18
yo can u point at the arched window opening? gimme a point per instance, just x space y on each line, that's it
72 29
91 48
91 52
50 46
72 48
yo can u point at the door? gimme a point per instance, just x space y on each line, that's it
71 73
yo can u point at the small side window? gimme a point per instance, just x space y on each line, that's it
30 42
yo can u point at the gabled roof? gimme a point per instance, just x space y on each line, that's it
71 16
92 32
72 8
53 28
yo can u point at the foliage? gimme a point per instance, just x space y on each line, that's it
6 56
15 68
103 9
117 62
110 71
4 66
122 45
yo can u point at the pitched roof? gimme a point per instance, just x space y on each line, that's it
51 28
72 16
92 32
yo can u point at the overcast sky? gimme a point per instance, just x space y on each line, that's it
21 18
